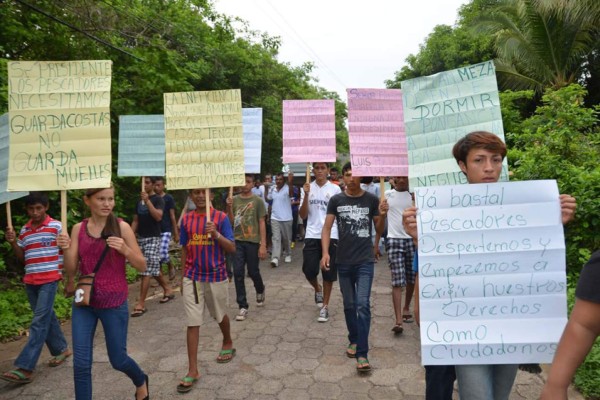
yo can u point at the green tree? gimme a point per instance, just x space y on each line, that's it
562 141
541 43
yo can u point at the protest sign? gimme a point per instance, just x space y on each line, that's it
308 131
376 132
492 282
204 139
59 121
252 127
442 108
4 134
141 145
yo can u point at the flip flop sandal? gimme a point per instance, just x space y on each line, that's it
351 351
58 360
186 384
407 318
167 299
223 359
138 312
20 379
397 329
362 365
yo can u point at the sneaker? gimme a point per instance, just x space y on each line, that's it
323 315
260 299
319 299
288 259
242 314
274 262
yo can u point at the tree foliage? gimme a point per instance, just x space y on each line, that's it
541 43
562 141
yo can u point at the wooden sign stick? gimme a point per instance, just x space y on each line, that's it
382 187
8 216
63 210
307 172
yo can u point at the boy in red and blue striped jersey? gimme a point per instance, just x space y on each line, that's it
204 243
36 247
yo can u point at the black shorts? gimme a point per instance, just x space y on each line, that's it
311 265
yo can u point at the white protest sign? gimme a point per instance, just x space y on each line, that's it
492 281
252 127
141 145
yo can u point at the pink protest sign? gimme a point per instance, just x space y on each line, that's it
376 132
308 131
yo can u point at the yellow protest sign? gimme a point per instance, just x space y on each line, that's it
204 139
59 119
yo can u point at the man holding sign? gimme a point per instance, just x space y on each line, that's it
315 200
355 211
479 156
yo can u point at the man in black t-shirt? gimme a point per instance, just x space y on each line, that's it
355 211
146 224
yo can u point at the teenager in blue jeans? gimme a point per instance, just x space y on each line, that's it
354 210
36 247
480 155
108 304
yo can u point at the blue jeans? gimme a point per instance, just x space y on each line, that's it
355 283
44 328
246 253
485 382
439 382
114 321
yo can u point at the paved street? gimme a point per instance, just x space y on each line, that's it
282 351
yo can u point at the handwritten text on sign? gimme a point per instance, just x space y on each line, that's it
442 108
308 131
376 132
204 139
252 126
492 281
59 124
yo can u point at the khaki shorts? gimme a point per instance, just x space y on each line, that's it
197 294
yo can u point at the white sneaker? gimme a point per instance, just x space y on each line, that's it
242 314
323 315
288 259
274 262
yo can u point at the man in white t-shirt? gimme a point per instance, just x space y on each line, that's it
400 249
281 217
313 206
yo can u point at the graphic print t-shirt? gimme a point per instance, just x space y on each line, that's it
354 216
246 215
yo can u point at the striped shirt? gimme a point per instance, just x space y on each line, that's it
205 261
43 258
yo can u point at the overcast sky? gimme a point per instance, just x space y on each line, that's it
353 44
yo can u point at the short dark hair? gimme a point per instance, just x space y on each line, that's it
36 198
153 179
346 167
279 174
478 140
157 178
320 162
333 169
366 179
248 175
